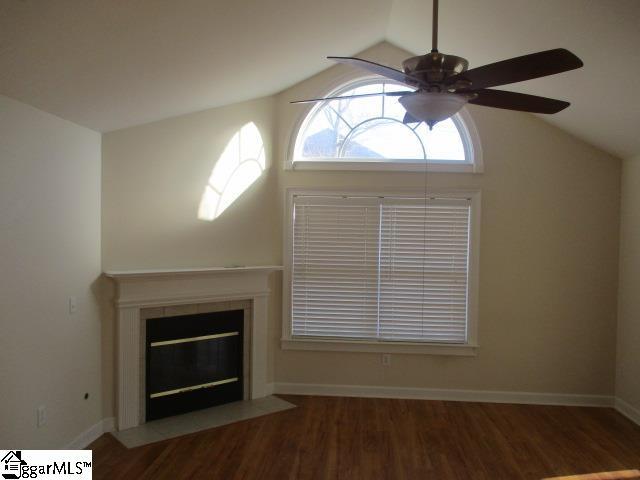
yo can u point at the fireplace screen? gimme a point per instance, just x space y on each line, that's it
193 362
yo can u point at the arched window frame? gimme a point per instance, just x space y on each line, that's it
462 120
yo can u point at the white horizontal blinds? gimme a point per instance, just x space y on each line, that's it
335 267
424 270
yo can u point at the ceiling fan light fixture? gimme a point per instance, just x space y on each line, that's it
433 107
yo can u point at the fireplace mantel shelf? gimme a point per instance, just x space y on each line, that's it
163 272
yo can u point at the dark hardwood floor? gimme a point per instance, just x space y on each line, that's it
358 438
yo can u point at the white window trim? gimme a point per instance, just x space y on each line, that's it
288 342
463 120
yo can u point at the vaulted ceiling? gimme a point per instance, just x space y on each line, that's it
109 65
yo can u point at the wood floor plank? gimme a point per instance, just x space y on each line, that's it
334 438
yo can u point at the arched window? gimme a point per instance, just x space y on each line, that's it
368 133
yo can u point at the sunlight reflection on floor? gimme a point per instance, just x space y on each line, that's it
620 475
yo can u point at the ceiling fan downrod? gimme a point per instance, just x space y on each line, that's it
434 28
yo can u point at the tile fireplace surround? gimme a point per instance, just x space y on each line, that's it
183 291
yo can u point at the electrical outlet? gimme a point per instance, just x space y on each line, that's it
386 359
41 414
73 305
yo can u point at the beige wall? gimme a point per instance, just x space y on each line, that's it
549 241
548 260
154 177
628 360
49 251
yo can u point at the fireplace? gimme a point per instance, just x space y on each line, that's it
193 362
170 295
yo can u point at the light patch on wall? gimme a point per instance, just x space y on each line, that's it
240 165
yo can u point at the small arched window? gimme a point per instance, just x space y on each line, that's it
368 133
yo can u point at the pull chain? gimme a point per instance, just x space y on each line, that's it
424 242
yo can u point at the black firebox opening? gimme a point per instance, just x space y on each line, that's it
193 362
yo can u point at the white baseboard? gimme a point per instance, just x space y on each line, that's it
445 394
627 410
92 434
108 424
269 388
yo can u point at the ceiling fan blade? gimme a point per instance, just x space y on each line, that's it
517 101
518 69
347 97
382 70
408 118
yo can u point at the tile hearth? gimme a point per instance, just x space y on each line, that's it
199 420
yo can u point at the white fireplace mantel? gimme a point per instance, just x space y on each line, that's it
138 289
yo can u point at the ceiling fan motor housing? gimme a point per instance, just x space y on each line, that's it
435 67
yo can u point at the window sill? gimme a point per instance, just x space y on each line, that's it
466 350
385 166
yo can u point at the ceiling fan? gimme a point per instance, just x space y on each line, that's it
443 85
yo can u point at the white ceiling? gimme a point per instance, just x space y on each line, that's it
113 64
109 64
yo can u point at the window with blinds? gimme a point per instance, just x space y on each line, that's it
381 268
